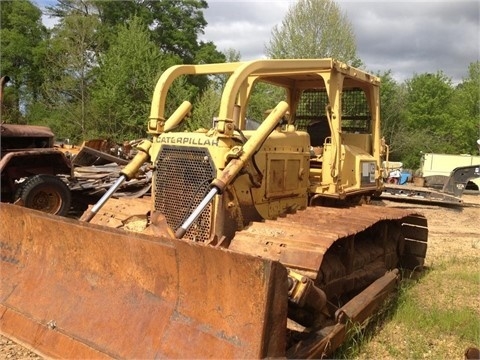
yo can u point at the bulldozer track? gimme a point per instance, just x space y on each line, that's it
348 253
301 240
335 246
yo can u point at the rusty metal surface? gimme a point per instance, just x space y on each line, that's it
301 240
88 156
76 290
38 161
102 151
345 251
16 130
84 290
418 194
357 310
116 212
93 153
361 306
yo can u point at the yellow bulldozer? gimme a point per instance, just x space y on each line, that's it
253 244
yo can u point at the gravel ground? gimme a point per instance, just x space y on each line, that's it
11 350
444 225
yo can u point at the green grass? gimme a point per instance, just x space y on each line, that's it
434 317
462 322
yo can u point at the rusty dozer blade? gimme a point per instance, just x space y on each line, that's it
70 289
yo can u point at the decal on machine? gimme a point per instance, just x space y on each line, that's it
186 141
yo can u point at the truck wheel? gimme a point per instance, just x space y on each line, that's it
46 193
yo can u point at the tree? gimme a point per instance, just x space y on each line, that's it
22 39
174 25
127 76
177 24
392 113
206 108
63 8
392 101
314 29
464 109
427 100
70 61
427 116
232 55
411 144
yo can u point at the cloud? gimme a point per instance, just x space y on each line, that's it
243 25
406 37
417 37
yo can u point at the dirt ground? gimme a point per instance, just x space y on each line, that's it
452 232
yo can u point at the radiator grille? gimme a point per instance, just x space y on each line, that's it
182 179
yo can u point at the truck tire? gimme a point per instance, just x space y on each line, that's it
46 193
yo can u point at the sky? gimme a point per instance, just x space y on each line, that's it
406 37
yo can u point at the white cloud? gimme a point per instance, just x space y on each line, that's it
243 25
407 37
417 36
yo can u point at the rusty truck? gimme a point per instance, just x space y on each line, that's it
29 165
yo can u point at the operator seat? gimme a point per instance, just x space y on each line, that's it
318 130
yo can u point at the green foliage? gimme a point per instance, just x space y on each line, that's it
40 113
206 109
181 90
428 121
464 108
174 25
103 59
177 25
10 110
428 114
71 58
392 109
207 53
125 80
232 55
264 97
64 8
314 29
427 101
21 35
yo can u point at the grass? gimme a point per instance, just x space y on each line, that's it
434 317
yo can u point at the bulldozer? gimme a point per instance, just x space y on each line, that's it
254 243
